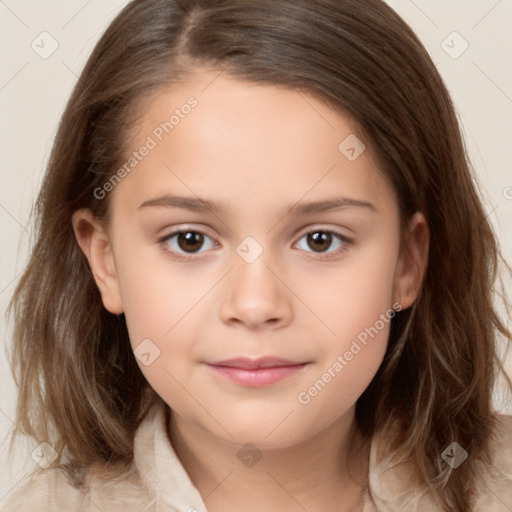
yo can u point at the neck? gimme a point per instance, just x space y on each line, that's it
326 472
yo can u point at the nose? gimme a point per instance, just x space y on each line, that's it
256 297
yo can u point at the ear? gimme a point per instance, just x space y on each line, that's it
412 261
95 243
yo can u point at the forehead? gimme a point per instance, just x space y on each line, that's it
215 136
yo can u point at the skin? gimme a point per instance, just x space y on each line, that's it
259 150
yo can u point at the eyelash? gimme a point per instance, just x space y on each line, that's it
346 243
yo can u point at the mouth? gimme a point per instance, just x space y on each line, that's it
259 372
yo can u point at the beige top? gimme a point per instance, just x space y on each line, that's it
159 483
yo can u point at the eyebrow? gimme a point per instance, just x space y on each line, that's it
198 204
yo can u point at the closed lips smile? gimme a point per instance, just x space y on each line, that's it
256 372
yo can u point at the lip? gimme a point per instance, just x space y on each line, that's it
247 363
259 372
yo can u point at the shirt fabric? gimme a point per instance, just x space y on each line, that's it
158 481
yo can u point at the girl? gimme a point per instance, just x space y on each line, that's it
263 275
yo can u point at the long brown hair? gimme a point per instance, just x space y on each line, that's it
79 385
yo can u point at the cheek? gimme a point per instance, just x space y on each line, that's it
360 316
351 297
337 386
354 305
165 305
159 303
156 293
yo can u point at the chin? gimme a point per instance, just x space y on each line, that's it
258 433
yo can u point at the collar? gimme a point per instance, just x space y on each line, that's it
392 482
160 468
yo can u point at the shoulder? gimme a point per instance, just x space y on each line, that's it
495 485
39 491
502 442
52 490
395 480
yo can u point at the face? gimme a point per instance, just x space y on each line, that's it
252 230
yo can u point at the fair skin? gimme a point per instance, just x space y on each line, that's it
258 150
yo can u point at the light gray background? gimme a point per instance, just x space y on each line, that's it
33 91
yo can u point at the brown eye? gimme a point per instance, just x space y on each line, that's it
324 242
319 241
190 241
181 243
